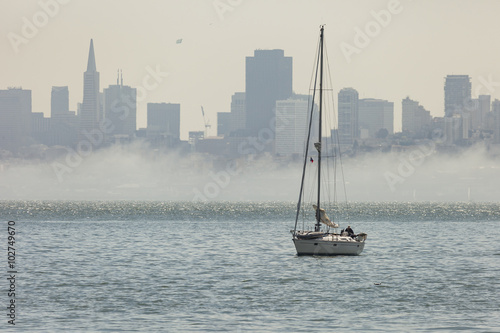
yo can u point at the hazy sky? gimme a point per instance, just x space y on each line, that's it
406 54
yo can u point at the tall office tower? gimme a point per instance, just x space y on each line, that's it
101 106
63 123
495 108
268 79
120 108
15 118
223 123
478 110
456 128
291 126
164 119
348 123
474 113
91 105
457 94
410 109
484 109
415 117
238 114
375 115
231 123
59 101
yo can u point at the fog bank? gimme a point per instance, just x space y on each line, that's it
136 172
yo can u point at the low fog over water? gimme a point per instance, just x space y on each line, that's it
137 172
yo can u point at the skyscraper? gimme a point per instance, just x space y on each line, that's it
495 108
268 79
348 122
164 121
91 105
120 108
59 101
291 126
457 94
223 123
233 123
415 116
484 110
63 129
238 113
15 118
376 115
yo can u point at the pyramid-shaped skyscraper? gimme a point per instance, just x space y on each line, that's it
90 113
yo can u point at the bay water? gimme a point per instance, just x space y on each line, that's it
129 266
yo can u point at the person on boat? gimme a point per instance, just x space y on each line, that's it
349 231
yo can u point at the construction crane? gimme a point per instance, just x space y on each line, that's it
205 120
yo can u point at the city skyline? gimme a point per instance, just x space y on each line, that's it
467 120
202 45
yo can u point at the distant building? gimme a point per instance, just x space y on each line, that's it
63 124
213 145
194 138
415 118
120 109
141 133
484 108
90 113
437 129
238 112
461 112
457 94
456 129
291 126
233 123
474 113
348 122
375 116
479 111
64 130
495 108
268 79
41 129
223 123
15 118
164 121
59 101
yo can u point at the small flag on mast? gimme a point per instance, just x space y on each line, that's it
179 41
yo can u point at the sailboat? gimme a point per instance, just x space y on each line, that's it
321 240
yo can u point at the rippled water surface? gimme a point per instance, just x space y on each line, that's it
174 267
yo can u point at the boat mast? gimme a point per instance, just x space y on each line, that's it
318 146
311 113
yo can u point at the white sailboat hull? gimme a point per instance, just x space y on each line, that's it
329 246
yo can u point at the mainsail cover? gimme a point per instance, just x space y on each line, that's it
324 218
